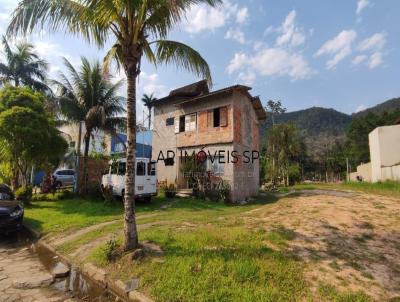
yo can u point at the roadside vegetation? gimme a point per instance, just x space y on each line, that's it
387 188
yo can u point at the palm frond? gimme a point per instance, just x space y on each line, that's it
68 15
113 55
182 56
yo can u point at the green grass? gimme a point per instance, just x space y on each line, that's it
69 214
72 245
330 293
388 188
280 235
210 253
213 263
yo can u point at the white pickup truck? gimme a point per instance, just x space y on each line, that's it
145 180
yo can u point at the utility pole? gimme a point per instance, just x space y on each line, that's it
347 169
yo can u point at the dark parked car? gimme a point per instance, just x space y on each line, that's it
11 211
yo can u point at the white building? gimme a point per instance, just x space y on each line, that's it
384 148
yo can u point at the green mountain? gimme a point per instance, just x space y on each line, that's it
390 105
322 127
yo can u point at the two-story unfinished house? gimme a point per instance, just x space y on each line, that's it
223 123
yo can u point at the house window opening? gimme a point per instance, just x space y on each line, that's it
182 123
216 117
169 121
215 165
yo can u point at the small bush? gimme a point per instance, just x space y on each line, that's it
224 192
94 191
110 248
170 191
24 194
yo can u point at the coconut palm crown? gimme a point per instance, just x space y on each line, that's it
148 101
138 28
23 66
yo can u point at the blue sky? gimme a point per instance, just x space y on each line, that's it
341 54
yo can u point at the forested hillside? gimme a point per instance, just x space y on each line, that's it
323 128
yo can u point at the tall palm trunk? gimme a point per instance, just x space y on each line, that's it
84 176
149 117
78 157
130 230
78 147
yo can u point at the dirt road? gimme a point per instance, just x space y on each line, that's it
350 240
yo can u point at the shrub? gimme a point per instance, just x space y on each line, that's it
170 191
224 191
94 190
24 194
110 248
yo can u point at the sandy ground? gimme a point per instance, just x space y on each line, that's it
349 240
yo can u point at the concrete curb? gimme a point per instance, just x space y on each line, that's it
99 277
32 232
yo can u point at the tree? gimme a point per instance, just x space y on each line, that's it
139 28
28 135
23 66
274 108
88 97
283 145
148 101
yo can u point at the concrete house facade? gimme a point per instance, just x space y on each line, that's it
223 123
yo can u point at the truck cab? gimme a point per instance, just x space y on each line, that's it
145 179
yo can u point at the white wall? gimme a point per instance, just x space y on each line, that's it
384 144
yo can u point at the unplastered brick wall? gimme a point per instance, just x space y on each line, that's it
95 169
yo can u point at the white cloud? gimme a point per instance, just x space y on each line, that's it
203 17
271 62
375 42
339 47
361 5
242 15
359 59
238 61
235 34
150 83
290 33
360 108
375 60
374 45
247 78
277 61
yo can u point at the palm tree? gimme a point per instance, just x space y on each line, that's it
88 97
138 28
148 101
23 66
